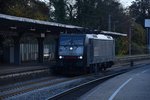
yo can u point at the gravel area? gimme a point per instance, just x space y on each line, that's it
45 93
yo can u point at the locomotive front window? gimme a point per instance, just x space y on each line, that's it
71 46
68 40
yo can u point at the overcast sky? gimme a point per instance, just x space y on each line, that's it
126 2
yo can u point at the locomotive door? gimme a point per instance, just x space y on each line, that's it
11 54
89 52
1 53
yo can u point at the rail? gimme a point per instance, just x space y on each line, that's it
48 82
133 57
59 96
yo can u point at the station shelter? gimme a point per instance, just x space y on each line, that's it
24 40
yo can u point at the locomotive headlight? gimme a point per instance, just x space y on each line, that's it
60 57
71 48
80 57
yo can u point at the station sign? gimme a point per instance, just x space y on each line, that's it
42 35
147 23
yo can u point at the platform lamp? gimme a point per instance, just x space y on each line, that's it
42 35
147 26
130 35
130 40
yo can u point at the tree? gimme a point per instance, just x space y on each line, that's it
140 9
25 8
71 12
138 39
94 13
58 9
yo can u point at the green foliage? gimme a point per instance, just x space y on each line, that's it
59 10
140 10
121 46
91 14
25 8
138 39
138 35
138 49
94 13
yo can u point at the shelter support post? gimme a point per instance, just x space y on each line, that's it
17 60
40 50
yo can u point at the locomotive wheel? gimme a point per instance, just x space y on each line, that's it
104 69
104 66
91 69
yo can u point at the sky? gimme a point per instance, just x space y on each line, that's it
126 3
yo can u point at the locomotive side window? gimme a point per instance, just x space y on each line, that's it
71 46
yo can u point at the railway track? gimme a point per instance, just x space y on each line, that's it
46 70
6 92
133 57
68 93
10 91
23 87
12 78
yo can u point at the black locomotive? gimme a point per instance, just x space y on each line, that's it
85 52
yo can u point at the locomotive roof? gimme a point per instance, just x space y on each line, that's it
99 36
92 36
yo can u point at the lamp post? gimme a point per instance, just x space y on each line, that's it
130 41
114 25
109 22
130 36
130 30
148 40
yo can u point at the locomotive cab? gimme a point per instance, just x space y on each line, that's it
71 50
83 52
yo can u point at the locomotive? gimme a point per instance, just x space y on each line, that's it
85 52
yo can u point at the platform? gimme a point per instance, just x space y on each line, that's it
134 85
10 69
